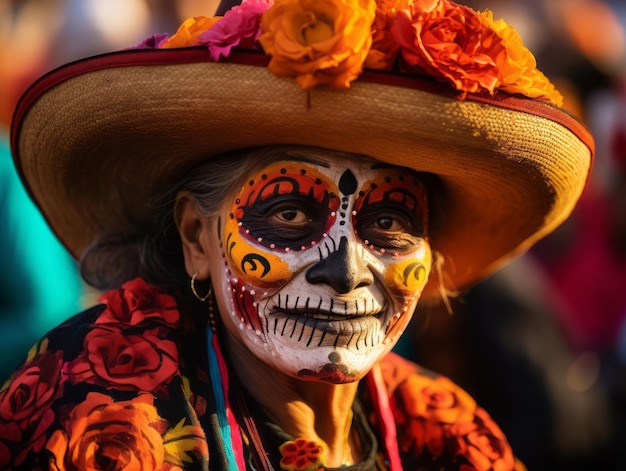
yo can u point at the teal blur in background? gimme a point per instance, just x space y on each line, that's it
39 281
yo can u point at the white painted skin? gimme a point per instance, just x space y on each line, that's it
303 286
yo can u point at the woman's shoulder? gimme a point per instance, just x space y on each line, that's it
115 363
440 422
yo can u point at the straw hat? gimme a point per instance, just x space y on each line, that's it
428 85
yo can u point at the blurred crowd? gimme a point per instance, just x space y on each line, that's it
541 345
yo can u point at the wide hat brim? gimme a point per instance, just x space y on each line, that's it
94 140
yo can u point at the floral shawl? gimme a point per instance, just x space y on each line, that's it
125 385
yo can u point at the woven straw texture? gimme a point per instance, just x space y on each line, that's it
94 148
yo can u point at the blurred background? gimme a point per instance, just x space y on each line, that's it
541 344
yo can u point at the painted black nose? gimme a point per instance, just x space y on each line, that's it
343 269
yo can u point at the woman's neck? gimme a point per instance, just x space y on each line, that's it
318 412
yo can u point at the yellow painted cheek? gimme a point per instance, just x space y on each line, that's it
253 264
408 275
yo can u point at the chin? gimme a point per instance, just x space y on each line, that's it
335 365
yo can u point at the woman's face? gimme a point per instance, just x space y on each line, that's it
322 263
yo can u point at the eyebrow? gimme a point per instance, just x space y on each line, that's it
379 165
308 159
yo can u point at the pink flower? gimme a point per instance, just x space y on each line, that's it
152 42
239 27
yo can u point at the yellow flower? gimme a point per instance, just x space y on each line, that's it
318 41
190 30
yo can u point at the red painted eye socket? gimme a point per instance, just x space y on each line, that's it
287 207
387 227
287 221
390 213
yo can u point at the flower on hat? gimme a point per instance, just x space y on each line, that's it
318 41
239 27
330 42
519 68
384 50
188 33
451 42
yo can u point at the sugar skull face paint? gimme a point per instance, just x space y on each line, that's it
325 259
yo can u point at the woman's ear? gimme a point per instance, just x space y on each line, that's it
193 228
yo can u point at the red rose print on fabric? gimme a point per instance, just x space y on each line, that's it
136 302
125 359
25 402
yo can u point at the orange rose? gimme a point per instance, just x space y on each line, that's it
384 50
484 445
419 434
102 434
318 41
518 68
436 399
126 360
190 30
451 42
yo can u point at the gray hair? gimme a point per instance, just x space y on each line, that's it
152 249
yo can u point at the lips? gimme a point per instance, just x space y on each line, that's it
314 321
324 329
327 308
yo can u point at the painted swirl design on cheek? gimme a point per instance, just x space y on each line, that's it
251 263
408 276
253 242
391 218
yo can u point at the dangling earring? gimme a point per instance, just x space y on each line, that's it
195 293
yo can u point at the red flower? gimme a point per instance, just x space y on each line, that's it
25 401
32 389
451 42
119 359
5 454
301 455
137 301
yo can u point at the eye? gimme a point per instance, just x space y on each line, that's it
389 226
292 216
285 221
388 223
391 223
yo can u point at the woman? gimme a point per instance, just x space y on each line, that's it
264 244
